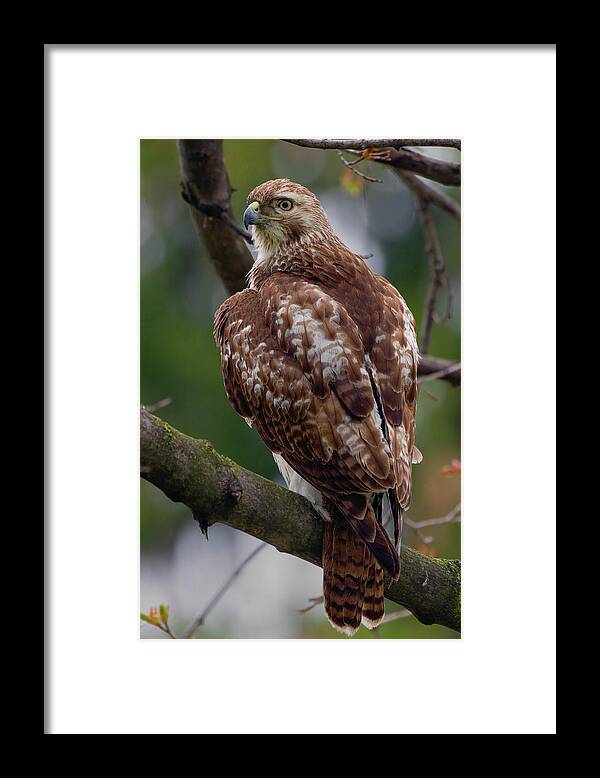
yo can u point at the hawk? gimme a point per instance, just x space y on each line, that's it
320 355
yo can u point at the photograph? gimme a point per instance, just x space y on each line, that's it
300 371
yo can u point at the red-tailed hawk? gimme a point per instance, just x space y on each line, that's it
319 354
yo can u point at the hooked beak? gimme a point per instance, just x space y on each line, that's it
252 215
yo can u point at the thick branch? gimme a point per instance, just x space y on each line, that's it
206 187
404 159
428 194
368 143
216 489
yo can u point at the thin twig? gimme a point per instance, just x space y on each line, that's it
428 193
430 364
167 629
158 405
434 252
359 157
315 601
391 617
360 174
447 519
162 627
395 616
429 394
201 618
417 526
446 371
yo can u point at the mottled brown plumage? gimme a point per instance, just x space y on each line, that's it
320 355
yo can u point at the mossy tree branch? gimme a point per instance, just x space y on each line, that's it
216 489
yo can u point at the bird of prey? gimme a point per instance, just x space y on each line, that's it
320 355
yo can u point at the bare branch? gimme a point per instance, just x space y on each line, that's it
314 602
434 252
198 622
166 628
429 364
327 143
163 628
206 186
446 372
395 616
161 623
428 394
356 172
216 489
428 194
417 526
411 161
158 405
453 515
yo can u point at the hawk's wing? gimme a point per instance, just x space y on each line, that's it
293 363
395 358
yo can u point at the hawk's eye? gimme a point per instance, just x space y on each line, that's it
285 205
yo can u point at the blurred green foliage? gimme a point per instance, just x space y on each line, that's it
180 292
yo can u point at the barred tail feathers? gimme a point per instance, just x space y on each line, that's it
352 579
363 514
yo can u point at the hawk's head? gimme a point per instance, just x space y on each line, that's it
280 212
